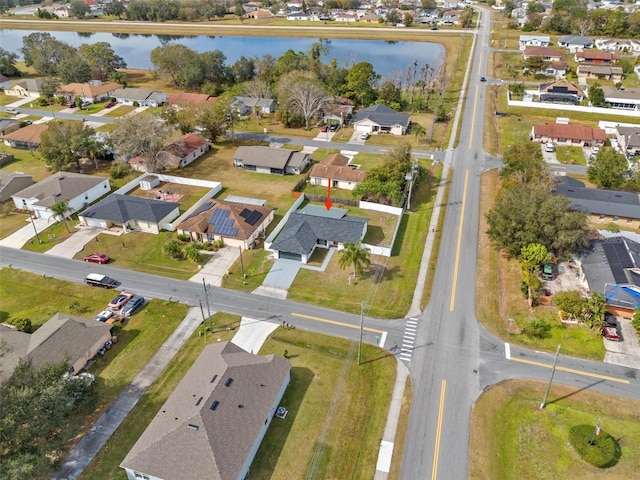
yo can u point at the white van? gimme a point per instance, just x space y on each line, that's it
364 135
549 147
12 110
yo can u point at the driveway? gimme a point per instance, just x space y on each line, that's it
279 279
75 243
549 157
18 238
626 352
215 269
252 334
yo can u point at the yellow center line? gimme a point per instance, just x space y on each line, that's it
436 449
334 322
571 370
455 268
473 116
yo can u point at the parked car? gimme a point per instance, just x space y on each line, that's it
109 104
364 135
610 320
334 127
611 333
85 104
97 258
27 122
103 316
12 110
549 147
99 280
595 150
120 301
133 305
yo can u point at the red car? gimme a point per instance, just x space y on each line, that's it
109 105
611 333
97 258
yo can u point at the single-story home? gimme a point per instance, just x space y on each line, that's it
575 43
214 421
183 99
131 214
370 18
451 17
12 183
618 45
246 106
276 161
526 41
556 69
25 138
27 87
5 82
260 13
597 58
603 72
628 139
547 54
346 17
88 92
8 125
236 224
144 97
183 151
381 119
566 134
560 91
76 189
335 168
314 226
627 99
62 336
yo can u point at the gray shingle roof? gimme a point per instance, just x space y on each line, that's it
302 232
59 187
383 116
122 208
600 201
189 439
268 157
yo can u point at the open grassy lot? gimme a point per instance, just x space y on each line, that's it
498 296
10 222
570 155
25 161
512 438
55 233
387 286
354 428
257 263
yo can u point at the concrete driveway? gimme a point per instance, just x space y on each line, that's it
18 238
252 334
75 243
549 157
216 268
626 352
279 279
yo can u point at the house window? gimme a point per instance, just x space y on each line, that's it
629 220
615 219
141 475
602 218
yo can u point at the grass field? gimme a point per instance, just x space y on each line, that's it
570 155
354 427
11 222
512 438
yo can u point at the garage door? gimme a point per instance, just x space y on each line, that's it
290 256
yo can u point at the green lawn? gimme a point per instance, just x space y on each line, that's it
121 111
256 266
11 222
25 161
52 235
510 435
356 424
570 155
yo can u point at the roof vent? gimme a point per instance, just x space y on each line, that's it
213 379
214 405
240 406
191 426
199 401
228 382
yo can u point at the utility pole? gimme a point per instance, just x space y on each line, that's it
34 228
206 297
362 305
244 275
553 370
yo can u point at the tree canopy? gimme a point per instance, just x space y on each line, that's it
608 169
63 143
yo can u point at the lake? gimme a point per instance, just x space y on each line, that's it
386 57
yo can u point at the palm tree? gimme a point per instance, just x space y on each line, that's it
417 130
61 209
356 255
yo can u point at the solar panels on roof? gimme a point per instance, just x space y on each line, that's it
618 258
202 208
218 216
253 218
245 213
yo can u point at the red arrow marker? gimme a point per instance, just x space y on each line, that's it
328 203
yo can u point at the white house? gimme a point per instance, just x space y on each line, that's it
144 97
534 41
381 119
76 189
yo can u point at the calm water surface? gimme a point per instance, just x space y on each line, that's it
386 57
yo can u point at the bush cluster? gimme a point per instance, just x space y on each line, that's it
605 451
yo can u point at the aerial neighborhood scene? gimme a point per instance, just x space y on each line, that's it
322 239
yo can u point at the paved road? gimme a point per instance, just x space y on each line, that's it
39 112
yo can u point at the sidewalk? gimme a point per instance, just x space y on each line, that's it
21 236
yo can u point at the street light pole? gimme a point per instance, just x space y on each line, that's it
244 275
362 304
206 297
34 228
553 371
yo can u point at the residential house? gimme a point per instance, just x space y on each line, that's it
629 140
595 57
8 125
236 224
76 189
575 43
25 138
5 82
618 45
88 92
381 119
314 226
260 13
27 87
61 337
450 17
131 214
183 151
547 54
603 72
369 18
519 15
566 134
627 99
560 91
556 69
346 18
12 183
246 106
527 41
143 97
183 99
337 112
346 177
214 421
276 161
299 16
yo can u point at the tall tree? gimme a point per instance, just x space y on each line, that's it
356 256
115 8
418 131
141 135
360 83
303 94
8 63
102 59
532 256
62 144
79 9
73 68
524 160
608 169
596 95
44 52
60 210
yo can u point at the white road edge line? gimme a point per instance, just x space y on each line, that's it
507 350
383 338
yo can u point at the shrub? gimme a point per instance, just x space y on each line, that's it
605 451
184 237
22 324
172 249
119 170
208 246
635 320
612 227
218 243
537 328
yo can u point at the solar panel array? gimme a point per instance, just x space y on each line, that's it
250 216
222 224
202 208
618 259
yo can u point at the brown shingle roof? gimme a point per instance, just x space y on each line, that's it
88 89
336 159
596 55
185 145
570 132
189 98
542 52
346 174
190 438
30 133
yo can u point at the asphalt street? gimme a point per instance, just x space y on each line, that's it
43 112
